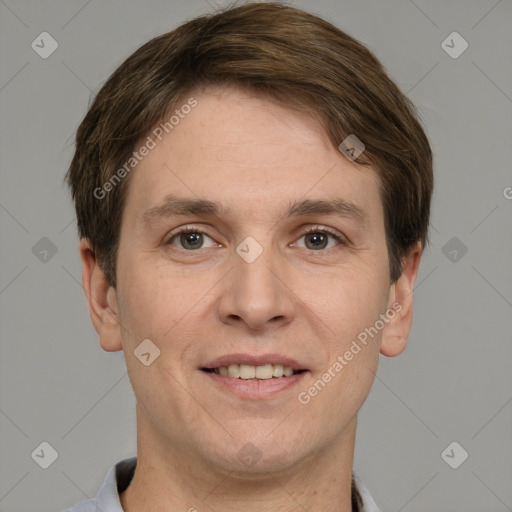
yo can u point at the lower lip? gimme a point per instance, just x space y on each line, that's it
255 389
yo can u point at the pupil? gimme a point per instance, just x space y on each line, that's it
317 237
191 240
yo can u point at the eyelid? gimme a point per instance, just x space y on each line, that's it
325 229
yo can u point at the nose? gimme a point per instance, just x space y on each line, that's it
256 294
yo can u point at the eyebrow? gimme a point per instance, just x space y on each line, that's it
173 206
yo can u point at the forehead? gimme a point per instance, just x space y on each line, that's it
248 152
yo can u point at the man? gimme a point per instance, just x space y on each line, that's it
252 196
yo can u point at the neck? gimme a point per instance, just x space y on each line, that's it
169 478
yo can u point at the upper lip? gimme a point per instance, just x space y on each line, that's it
254 360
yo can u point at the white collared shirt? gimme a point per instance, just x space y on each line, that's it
120 475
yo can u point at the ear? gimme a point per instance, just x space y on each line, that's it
396 331
101 299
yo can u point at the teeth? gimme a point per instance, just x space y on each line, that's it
263 372
247 372
234 371
287 371
278 370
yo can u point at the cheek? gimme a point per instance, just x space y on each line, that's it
353 302
339 388
140 306
152 309
351 309
163 309
148 292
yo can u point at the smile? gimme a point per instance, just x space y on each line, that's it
261 372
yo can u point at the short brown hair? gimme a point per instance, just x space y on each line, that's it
273 50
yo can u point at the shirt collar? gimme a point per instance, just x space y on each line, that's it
368 504
120 475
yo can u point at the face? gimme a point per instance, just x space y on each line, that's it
248 239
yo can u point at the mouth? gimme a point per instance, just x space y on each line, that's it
254 377
248 372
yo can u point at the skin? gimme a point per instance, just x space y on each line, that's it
254 156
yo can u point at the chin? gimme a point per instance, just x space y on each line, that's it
250 456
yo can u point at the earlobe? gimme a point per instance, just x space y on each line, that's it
101 299
392 346
396 331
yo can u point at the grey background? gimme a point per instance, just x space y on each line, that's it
454 381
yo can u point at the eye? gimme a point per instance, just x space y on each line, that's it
189 239
317 238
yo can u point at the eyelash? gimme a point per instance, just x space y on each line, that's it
341 239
